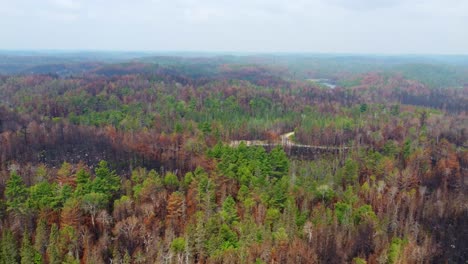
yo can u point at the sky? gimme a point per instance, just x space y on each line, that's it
298 26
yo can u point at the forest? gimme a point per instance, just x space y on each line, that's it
128 158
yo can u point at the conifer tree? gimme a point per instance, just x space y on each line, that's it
40 241
28 254
53 252
9 250
15 192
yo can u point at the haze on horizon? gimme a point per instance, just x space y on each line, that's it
322 26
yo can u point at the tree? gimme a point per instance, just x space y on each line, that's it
363 108
16 193
343 213
41 196
106 181
178 246
229 212
28 254
41 241
175 208
9 250
92 203
228 237
279 162
53 251
171 181
350 172
83 180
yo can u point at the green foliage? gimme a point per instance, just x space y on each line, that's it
343 213
16 193
41 239
251 165
279 193
280 235
272 216
364 213
349 172
178 245
83 181
279 162
359 261
256 204
407 150
9 249
28 254
152 183
325 192
229 211
42 195
228 237
106 181
53 251
92 202
390 148
363 108
395 110
394 252
171 181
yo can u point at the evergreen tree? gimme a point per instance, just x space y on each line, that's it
41 196
229 212
106 181
40 241
279 162
82 183
9 250
53 252
16 193
28 254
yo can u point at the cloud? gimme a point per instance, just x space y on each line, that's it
366 26
366 5
66 4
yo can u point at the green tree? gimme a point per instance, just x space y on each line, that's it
92 203
363 108
106 181
171 181
229 211
395 250
343 213
41 196
350 171
9 250
228 237
83 180
406 149
279 162
363 213
178 246
28 254
16 193
41 241
53 251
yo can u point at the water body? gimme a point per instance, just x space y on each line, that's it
326 82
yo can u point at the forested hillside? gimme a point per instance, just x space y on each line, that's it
114 160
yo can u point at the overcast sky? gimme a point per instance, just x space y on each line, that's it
337 26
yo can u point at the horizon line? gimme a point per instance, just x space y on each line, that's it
214 52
